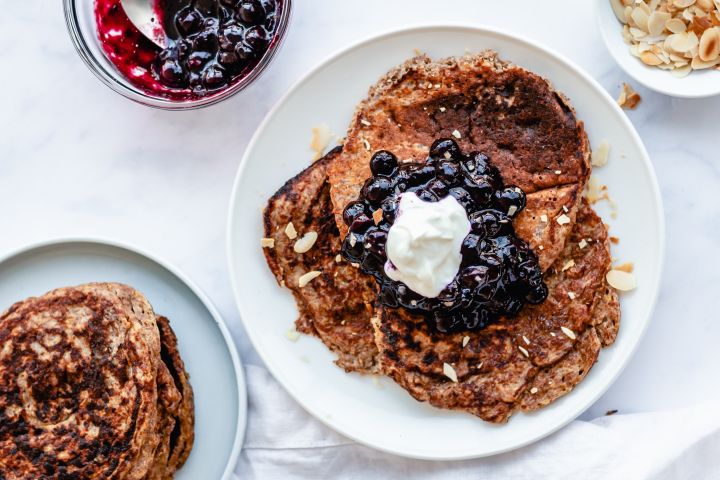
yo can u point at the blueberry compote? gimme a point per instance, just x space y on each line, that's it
212 44
499 272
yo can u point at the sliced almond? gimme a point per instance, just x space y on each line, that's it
563 219
450 372
675 25
543 218
698 64
320 139
683 3
618 9
620 280
465 341
625 267
685 42
377 216
649 58
600 154
267 242
657 21
582 244
292 335
290 231
308 277
524 351
456 134
640 17
306 242
568 333
681 72
568 265
710 45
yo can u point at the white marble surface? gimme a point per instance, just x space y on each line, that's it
78 159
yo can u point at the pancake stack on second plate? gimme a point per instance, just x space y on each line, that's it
91 386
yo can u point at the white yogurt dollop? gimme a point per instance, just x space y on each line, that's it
423 245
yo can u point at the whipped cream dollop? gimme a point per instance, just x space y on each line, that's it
423 244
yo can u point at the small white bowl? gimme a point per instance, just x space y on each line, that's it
702 83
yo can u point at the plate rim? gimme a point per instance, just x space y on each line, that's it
238 441
473 28
605 32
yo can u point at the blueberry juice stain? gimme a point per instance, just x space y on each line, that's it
212 44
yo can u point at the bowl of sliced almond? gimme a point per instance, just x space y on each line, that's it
670 46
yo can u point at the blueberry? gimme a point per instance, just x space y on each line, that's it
197 60
445 145
376 190
383 163
438 188
244 52
508 198
352 249
230 36
462 196
172 72
352 211
213 77
427 196
375 242
251 12
206 41
257 37
449 172
228 60
361 223
188 21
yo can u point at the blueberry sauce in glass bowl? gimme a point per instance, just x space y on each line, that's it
499 272
212 44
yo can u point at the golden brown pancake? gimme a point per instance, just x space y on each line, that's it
337 306
78 384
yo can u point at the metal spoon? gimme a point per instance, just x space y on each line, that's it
144 15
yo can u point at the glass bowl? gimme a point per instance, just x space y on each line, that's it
82 26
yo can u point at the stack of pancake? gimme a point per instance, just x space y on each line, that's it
91 386
531 134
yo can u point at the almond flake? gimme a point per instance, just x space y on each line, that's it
524 352
450 372
267 242
543 218
465 341
320 139
377 216
569 333
456 134
568 264
447 155
600 155
305 243
563 219
533 390
620 280
292 335
525 339
365 122
442 109
583 243
565 209
628 98
338 258
353 240
541 247
290 231
558 172
625 267
308 277
512 210
356 265
571 295
367 145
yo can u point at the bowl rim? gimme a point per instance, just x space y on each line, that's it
233 255
127 90
641 75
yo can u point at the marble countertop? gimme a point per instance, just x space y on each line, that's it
77 159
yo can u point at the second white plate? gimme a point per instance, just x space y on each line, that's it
388 418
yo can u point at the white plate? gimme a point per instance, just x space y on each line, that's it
205 344
703 83
388 418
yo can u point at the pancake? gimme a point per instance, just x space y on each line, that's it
338 305
78 385
527 129
176 408
520 363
